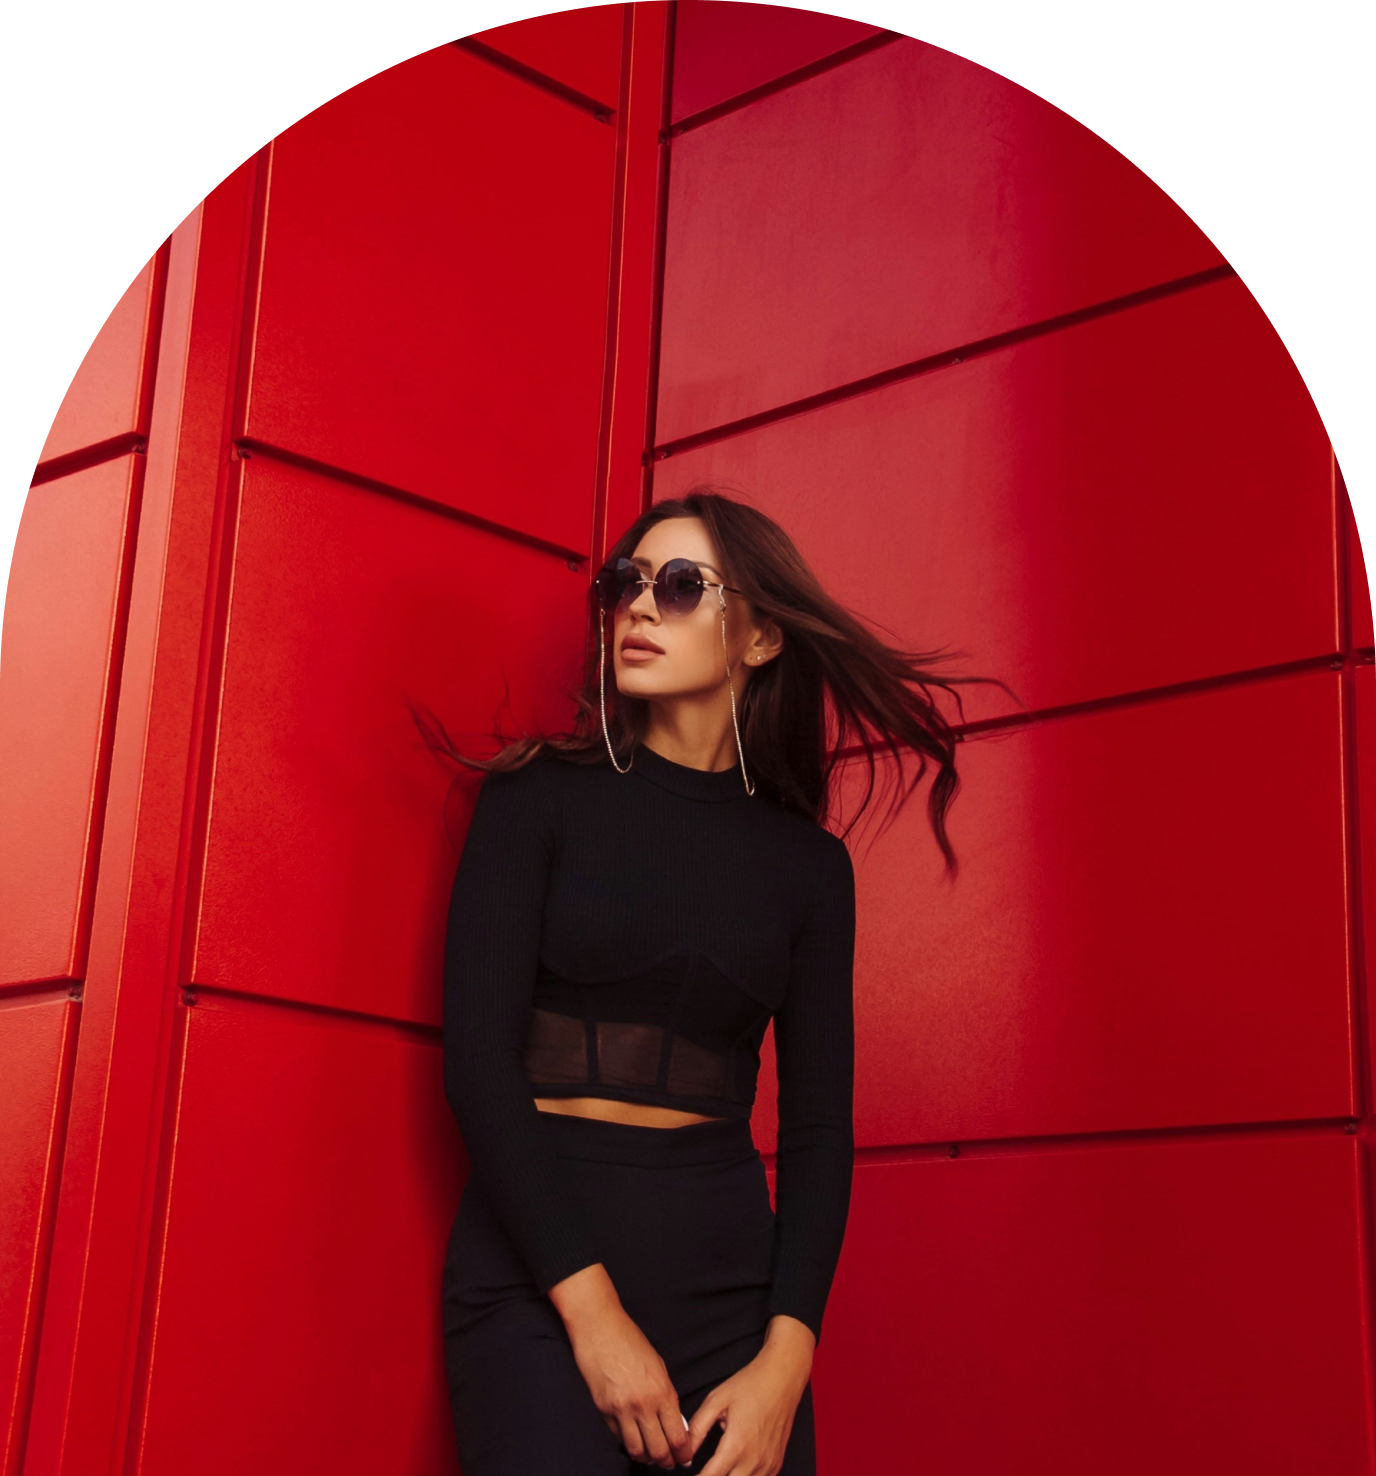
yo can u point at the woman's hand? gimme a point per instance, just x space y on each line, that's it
627 1379
756 1406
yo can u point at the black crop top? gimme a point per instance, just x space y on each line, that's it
631 936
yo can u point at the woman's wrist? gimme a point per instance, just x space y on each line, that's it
789 1345
586 1300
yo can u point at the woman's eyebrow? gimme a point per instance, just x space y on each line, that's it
701 563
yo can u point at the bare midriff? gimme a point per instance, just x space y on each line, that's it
639 1114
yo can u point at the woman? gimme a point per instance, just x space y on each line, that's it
635 902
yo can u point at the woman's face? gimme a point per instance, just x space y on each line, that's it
690 661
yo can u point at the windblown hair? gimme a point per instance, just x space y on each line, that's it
878 696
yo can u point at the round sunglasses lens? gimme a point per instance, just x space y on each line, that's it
678 587
616 585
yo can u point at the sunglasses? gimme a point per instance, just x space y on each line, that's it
678 586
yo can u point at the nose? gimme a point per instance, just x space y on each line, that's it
644 604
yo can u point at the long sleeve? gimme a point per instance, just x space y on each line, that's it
814 1038
491 956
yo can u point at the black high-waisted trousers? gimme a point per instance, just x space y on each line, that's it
684 1219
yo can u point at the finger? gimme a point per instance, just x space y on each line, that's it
630 1437
707 1415
655 1443
675 1429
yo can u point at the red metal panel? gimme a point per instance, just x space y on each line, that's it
898 206
1359 587
1140 500
1192 1307
326 872
56 674
581 48
721 51
108 396
422 322
316 1172
1149 927
34 1061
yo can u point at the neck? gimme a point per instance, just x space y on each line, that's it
711 756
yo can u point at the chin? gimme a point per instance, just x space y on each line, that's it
638 684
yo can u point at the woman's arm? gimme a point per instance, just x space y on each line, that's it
628 1380
814 1039
491 956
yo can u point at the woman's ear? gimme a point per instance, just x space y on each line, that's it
769 640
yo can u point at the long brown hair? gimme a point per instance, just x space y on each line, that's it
878 695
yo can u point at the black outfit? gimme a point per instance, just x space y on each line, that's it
631 936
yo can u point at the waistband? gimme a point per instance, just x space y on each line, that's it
721 1140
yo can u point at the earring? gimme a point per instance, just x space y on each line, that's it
749 787
602 695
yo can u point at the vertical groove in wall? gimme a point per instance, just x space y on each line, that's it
215 620
666 159
611 342
153 329
123 588
257 245
141 1372
195 808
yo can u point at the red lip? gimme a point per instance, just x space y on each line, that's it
639 643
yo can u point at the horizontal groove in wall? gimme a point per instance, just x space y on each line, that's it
1109 1138
215 996
780 84
499 59
198 996
946 359
88 456
247 448
1329 660
39 992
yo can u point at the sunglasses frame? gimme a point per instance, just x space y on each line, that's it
626 598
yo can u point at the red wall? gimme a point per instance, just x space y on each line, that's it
961 315
361 432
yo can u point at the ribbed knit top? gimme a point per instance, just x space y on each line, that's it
631 936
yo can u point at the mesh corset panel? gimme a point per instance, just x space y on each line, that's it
679 1034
